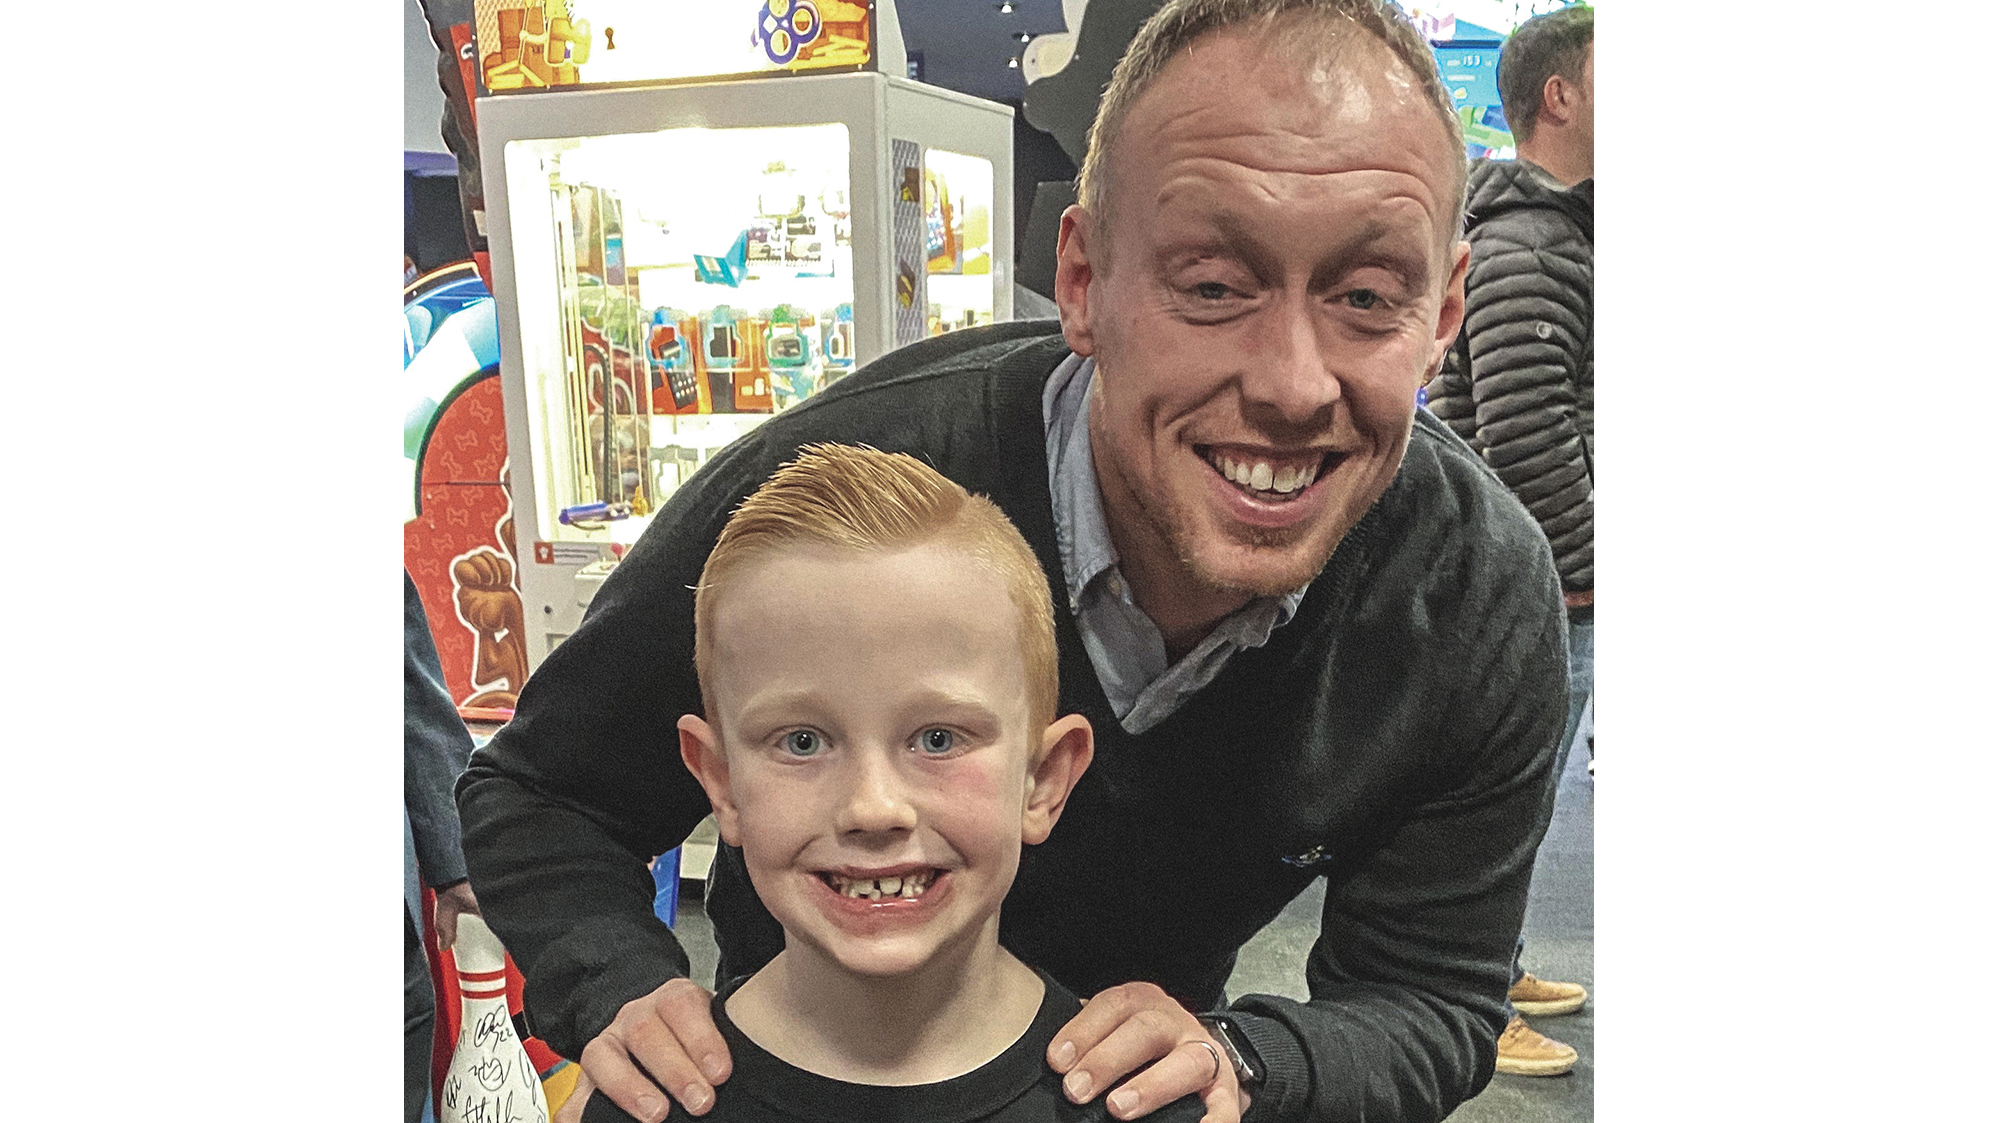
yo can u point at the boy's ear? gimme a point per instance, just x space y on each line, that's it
700 748
1066 748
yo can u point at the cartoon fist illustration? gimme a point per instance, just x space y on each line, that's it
489 605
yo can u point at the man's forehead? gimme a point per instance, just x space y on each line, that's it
1315 88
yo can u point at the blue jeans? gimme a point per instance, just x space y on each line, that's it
1579 687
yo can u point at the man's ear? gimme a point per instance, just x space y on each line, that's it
1065 750
1454 304
1073 272
700 748
1555 100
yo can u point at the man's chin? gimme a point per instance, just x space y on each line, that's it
1259 572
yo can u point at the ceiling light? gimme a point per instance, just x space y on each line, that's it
1023 36
1012 62
1005 8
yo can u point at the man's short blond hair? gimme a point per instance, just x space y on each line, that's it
1179 22
857 498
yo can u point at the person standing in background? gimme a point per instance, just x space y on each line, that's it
435 746
1519 383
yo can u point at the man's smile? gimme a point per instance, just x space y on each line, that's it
1270 476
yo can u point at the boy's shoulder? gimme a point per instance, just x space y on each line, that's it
1014 1087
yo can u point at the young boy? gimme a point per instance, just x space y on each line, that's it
876 658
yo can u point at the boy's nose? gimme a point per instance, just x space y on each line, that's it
877 800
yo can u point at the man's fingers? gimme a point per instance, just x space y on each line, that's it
1145 1036
657 1050
1186 1069
1226 1101
688 1008
1097 1020
609 1067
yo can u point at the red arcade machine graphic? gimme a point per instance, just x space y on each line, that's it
458 541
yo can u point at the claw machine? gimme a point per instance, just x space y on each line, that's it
701 212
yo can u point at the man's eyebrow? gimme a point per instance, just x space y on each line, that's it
1227 235
1393 248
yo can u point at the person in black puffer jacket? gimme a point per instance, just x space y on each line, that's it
1519 383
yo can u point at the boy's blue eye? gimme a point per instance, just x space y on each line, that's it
801 742
937 740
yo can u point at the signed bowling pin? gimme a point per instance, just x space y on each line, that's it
490 1079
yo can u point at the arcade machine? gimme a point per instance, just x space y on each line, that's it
700 213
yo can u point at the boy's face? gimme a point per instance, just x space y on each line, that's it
872 753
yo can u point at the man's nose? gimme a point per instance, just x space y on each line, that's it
877 797
1289 379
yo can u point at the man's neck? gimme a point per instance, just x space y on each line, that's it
1183 608
949 1017
1559 159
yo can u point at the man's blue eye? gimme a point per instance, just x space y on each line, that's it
1211 290
801 742
1362 299
938 740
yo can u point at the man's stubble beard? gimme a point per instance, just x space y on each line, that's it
1174 533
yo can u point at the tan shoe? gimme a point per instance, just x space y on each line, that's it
1542 999
1524 1051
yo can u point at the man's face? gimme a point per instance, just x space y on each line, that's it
1279 281
873 750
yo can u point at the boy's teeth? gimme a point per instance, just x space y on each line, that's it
907 886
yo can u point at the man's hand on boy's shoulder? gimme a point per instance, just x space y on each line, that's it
668 1033
1138 1026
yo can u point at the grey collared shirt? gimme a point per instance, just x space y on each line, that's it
1123 643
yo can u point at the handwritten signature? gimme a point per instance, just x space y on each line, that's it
493 1025
490 1072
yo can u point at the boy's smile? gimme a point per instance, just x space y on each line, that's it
873 751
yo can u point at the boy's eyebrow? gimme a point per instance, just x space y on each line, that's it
941 703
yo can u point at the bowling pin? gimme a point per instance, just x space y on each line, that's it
491 1079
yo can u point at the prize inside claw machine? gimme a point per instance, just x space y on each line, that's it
703 217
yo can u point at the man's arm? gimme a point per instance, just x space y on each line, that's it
1408 977
1527 324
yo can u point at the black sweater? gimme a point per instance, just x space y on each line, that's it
1395 738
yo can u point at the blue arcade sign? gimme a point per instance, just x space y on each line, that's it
1469 70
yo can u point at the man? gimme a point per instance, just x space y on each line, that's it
1314 635
1519 385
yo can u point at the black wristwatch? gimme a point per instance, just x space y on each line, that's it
1240 1054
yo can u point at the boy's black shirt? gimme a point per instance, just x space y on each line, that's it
1016 1086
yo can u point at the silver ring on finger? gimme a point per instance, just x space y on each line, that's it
1215 1050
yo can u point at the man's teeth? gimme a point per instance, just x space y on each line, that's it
906 886
1261 476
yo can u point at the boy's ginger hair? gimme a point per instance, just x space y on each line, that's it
858 498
